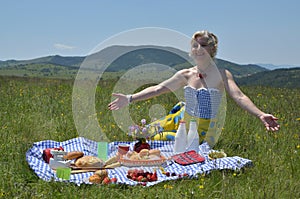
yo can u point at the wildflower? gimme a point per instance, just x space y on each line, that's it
298 146
298 119
143 121
166 186
144 131
201 186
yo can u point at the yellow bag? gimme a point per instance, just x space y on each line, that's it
208 129
170 122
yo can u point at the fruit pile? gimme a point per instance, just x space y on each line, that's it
140 175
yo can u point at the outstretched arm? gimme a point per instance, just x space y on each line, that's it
172 84
244 102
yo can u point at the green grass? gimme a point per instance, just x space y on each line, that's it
35 109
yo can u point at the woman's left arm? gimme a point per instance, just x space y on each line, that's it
244 102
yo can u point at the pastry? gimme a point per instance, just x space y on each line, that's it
89 161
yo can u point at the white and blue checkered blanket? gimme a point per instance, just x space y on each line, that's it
89 147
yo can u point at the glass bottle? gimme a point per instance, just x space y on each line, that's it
180 138
193 137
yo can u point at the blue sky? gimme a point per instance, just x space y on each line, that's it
254 31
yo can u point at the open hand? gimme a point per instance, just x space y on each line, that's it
119 102
270 122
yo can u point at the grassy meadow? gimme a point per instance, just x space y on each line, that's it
34 109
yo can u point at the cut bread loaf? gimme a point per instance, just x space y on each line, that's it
89 161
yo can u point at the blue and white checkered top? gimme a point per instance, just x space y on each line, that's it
202 103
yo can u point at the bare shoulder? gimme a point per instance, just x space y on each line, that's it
226 74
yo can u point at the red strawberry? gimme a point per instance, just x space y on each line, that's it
153 177
114 180
106 180
130 171
140 178
149 177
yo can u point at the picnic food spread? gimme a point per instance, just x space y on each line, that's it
146 157
78 162
117 171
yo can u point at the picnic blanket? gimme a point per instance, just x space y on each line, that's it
90 147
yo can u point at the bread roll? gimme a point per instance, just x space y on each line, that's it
155 152
134 157
102 173
130 153
144 152
95 179
89 161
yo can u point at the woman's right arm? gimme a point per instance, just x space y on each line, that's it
175 82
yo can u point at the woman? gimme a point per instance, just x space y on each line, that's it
203 85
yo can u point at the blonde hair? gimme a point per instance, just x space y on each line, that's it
211 39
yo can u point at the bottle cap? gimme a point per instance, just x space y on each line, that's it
181 121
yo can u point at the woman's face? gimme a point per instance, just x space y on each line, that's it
201 48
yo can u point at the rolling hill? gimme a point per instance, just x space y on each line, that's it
122 58
130 56
287 78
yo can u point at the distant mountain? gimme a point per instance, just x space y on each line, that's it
288 78
130 56
120 59
273 67
127 57
240 70
55 59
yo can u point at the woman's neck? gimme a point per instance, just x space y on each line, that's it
203 68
